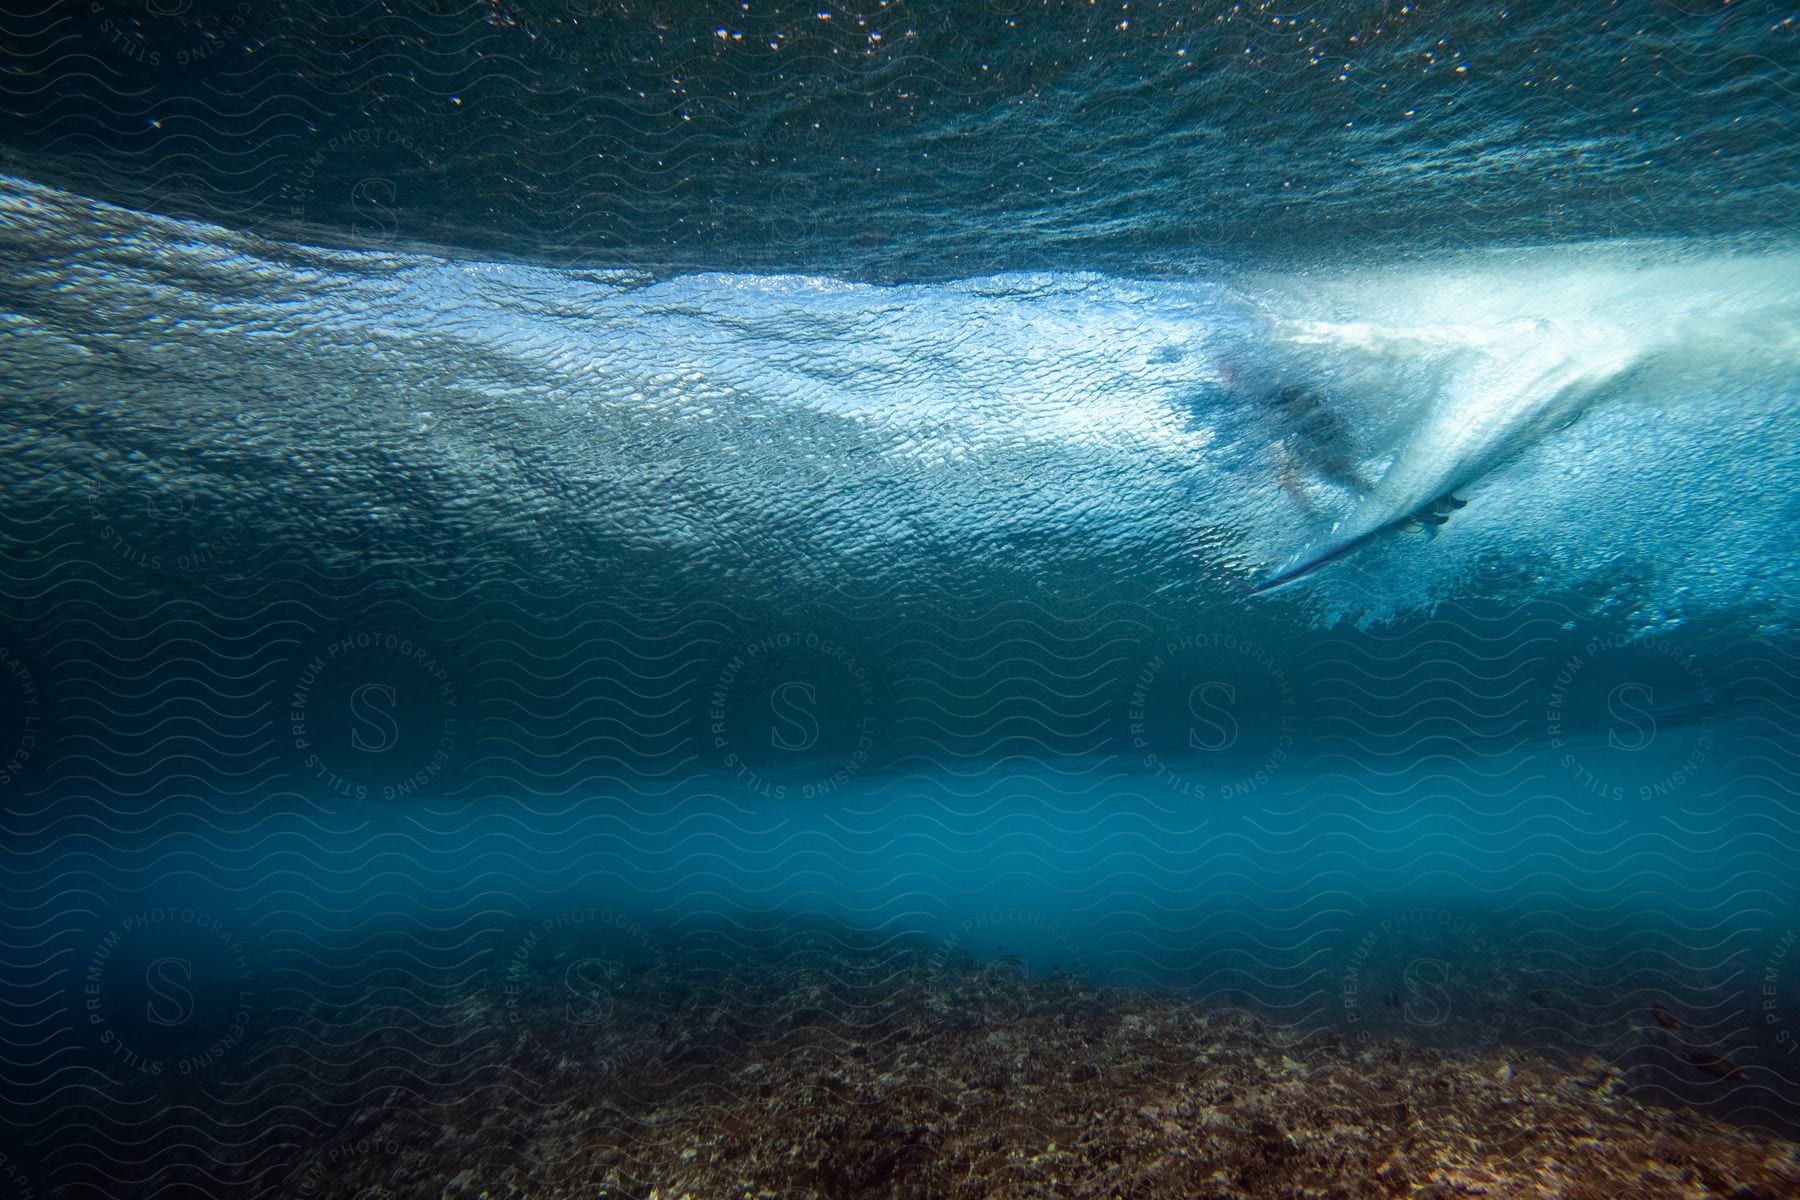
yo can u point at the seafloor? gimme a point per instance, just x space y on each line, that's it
816 1062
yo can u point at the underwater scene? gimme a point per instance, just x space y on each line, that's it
1022 598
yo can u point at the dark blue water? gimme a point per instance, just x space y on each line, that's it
491 481
902 140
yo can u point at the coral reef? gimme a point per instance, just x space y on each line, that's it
818 1062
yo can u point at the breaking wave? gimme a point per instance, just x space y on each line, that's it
1619 417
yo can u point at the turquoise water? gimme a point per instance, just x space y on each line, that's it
480 477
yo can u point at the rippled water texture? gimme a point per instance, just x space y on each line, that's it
893 601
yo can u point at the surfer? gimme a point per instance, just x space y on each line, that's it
1314 447
1314 444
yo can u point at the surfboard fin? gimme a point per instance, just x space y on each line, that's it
1433 514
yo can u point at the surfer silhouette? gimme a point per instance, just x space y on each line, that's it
1314 443
1315 446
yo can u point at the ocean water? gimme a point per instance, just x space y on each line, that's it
1292 509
